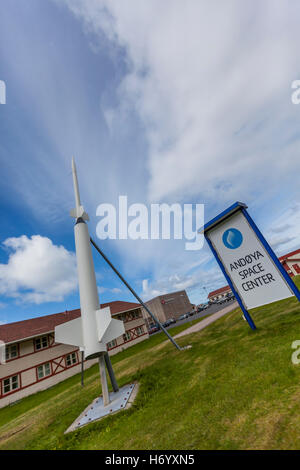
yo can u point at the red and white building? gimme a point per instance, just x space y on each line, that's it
35 362
291 262
219 294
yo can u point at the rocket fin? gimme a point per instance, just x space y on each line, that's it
79 212
115 329
108 327
103 319
70 333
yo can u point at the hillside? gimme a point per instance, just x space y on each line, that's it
234 389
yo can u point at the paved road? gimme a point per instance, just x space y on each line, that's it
209 311
207 321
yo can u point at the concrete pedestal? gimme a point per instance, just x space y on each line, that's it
96 410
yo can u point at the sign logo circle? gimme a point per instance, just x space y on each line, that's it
232 238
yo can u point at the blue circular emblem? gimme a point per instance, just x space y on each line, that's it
232 238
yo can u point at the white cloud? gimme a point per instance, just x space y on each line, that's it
281 228
211 83
102 289
284 234
150 292
197 285
114 290
37 270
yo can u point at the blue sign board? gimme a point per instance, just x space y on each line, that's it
247 261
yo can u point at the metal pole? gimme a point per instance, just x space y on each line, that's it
135 294
82 368
105 393
111 373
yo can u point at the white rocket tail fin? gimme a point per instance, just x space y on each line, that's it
70 333
108 328
115 329
103 319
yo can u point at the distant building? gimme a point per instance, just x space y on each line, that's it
35 362
291 262
219 293
168 306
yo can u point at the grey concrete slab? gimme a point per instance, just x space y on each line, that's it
96 410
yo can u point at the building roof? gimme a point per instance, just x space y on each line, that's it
167 294
218 291
21 330
288 255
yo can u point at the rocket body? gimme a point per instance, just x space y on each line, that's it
89 299
95 328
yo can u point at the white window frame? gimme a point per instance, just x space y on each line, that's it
10 384
127 336
40 338
42 368
72 357
8 353
140 330
112 344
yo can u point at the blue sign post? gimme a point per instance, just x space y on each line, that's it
251 268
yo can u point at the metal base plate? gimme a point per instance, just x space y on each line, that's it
95 411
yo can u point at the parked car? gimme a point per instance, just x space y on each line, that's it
169 322
153 329
183 316
230 297
202 307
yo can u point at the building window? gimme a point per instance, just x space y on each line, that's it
41 343
136 314
10 384
43 370
139 330
296 268
112 344
127 336
11 351
71 359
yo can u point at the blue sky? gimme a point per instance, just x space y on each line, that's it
172 101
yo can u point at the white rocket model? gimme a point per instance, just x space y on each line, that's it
95 328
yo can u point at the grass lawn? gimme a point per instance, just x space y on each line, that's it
235 389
